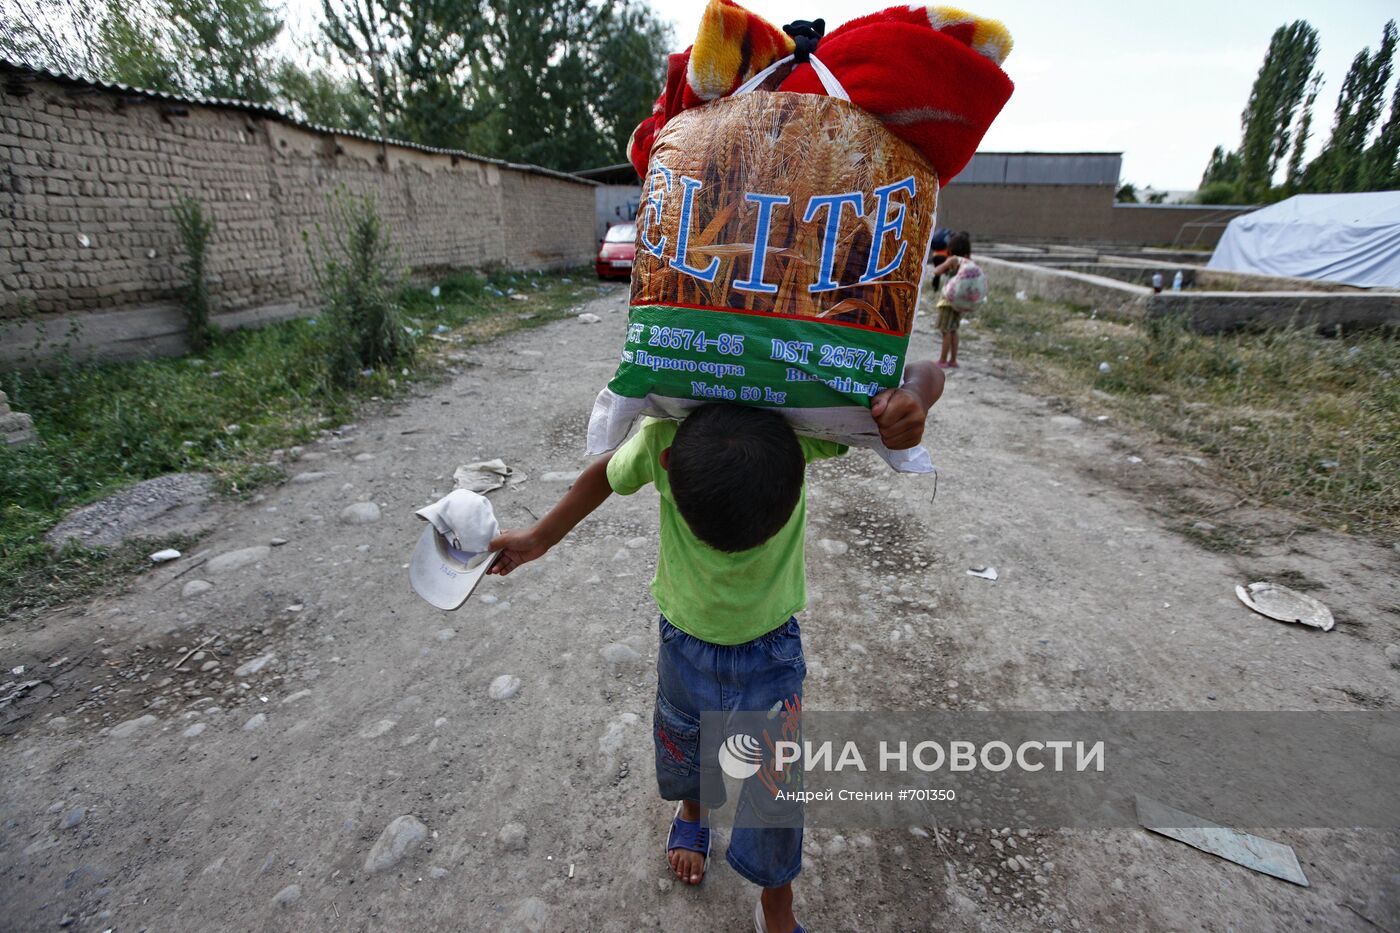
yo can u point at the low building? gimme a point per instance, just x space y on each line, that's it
1062 197
617 197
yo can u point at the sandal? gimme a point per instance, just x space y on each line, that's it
761 926
692 837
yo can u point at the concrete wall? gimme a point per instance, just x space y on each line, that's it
1205 311
87 234
1075 213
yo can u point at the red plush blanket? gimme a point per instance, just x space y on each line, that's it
932 75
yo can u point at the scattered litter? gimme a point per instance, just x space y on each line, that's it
1254 853
571 869
588 317
561 476
518 297
437 291
17 690
1105 368
1134 459
17 670
983 571
1021 296
1328 464
487 476
168 554
1279 602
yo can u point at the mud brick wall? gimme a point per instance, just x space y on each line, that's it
90 175
543 221
1076 214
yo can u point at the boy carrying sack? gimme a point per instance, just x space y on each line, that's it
730 579
761 296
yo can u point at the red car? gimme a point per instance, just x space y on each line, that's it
617 252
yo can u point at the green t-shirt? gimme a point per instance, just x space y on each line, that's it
718 597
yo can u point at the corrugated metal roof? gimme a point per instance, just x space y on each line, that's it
620 174
14 71
1042 168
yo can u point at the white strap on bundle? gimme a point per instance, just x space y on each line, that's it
832 86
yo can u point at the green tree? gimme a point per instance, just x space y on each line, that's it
1380 169
226 45
432 60
317 96
411 59
1274 100
1126 193
1339 166
60 35
570 79
1293 180
634 46
538 55
1223 166
359 31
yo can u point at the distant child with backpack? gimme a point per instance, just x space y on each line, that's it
965 290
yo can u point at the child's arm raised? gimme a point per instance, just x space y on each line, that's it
524 545
900 413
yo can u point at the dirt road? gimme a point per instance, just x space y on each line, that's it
242 785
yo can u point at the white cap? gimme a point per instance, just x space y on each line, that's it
453 553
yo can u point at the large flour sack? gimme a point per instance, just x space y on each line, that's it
782 234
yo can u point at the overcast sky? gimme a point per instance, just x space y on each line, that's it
1161 82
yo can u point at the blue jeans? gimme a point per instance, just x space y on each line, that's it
695 676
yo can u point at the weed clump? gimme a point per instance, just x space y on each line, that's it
1288 417
196 228
356 274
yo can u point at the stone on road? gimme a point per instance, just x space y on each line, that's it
249 668
504 687
132 726
195 588
512 837
399 838
361 513
237 560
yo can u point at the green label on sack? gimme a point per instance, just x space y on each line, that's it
755 358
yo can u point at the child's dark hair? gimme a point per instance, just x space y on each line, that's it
736 473
960 244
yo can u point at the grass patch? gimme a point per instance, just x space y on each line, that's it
105 426
1290 418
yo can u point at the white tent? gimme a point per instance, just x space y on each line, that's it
1348 238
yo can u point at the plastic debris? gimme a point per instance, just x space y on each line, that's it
487 476
588 317
168 554
1105 368
1285 605
983 571
1021 296
1253 852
